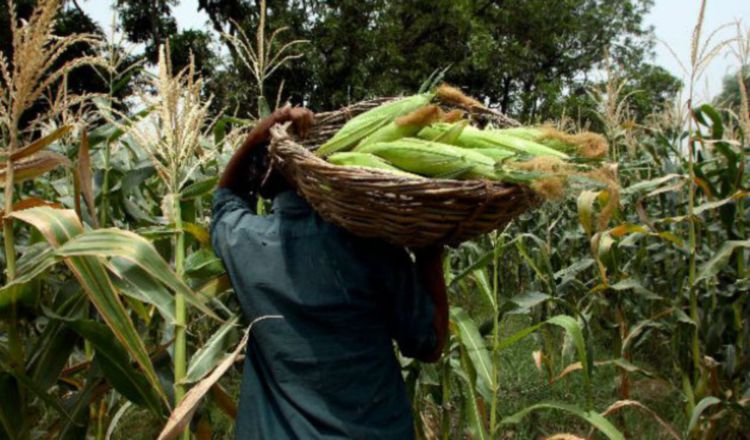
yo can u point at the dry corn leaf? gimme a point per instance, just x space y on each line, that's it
35 166
564 437
182 414
40 143
635 404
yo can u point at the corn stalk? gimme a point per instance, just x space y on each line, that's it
170 136
180 348
497 246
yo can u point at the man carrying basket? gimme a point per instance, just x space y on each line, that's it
327 370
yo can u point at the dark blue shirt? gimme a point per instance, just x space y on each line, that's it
328 369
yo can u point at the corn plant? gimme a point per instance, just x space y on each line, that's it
620 312
261 57
646 281
118 272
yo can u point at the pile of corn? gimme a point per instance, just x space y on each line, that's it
413 138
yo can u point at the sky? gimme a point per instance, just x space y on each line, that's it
673 22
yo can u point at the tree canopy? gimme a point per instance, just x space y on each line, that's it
527 58
730 95
517 55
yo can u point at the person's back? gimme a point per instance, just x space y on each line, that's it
326 368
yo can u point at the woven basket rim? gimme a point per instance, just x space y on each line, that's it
280 133
404 210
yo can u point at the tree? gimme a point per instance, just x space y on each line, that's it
516 55
197 44
148 22
650 87
730 95
151 23
523 57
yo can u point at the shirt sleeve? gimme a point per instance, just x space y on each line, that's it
412 324
229 210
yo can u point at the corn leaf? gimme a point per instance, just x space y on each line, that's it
37 260
648 185
216 286
208 356
35 388
469 335
620 404
585 204
699 409
31 168
482 281
78 404
113 242
476 421
31 202
60 226
182 414
200 233
593 418
40 143
524 302
203 264
713 266
115 364
55 344
575 332
199 189
10 411
134 282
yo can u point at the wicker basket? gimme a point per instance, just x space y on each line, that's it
404 211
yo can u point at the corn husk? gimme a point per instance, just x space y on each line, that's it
367 161
404 126
472 137
367 123
584 144
497 154
434 159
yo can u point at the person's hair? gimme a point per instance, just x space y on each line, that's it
265 181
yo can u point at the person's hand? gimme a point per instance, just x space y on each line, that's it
235 175
300 117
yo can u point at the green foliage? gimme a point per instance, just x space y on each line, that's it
618 285
517 55
730 91
560 321
147 22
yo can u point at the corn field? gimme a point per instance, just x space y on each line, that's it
616 313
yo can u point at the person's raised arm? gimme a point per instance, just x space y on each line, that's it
429 262
235 176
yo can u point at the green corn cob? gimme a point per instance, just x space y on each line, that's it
366 160
369 122
472 137
434 159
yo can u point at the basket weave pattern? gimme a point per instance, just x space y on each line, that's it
404 211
